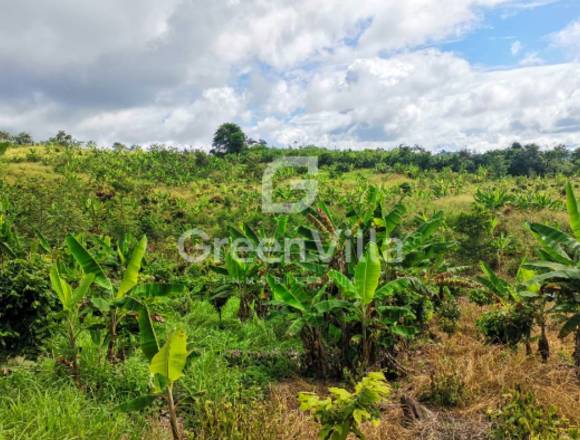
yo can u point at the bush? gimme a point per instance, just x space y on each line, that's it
522 418
447 387
474 241
449 315
26 304
506 326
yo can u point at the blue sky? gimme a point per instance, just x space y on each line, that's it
490 44
451 74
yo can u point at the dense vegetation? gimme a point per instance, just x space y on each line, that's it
450 304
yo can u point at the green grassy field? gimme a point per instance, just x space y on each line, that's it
451 323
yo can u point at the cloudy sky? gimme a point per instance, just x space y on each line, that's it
339 73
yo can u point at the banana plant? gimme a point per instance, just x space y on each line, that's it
367 307
307 310
166 366
559 269
492 200
71 301
240 278
112 303
524 296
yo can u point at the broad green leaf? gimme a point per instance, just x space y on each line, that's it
148 337
170 361
282 294
493 282
61 288
81 291
250 234
367 274
406 332
296 327
344 284
102 304
394 218
88 263
573 214
392 287
131 275
234 265
329 305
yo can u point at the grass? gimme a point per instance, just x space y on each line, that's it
29 409
487 372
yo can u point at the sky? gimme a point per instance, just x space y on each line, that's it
445 75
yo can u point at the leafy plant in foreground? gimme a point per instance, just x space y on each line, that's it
71 301
343 412
522 418
559 269
166 365
129 286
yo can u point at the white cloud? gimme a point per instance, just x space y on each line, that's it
516 47
532 59
331 72
436 99
568 39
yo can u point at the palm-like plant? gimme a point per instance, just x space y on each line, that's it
559 269
166 365
307 311
524 300
239 279
71 301
366 304
112 304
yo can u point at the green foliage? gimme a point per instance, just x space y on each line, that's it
61 412
447 387
343 412
507 325
522 418
448 313
229 138
26 304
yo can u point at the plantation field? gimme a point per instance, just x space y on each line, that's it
449 307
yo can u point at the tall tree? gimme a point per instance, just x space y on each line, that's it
228 138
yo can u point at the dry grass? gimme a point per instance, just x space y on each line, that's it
487 372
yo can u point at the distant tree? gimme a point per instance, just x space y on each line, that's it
23 139
63 138
5 136
229 138
118 146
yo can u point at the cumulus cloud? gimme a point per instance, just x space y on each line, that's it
568 39
437 99
345 73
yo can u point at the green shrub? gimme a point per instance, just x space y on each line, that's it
26 304
507 326
480 297
344 412
449 315
522 418
447 388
